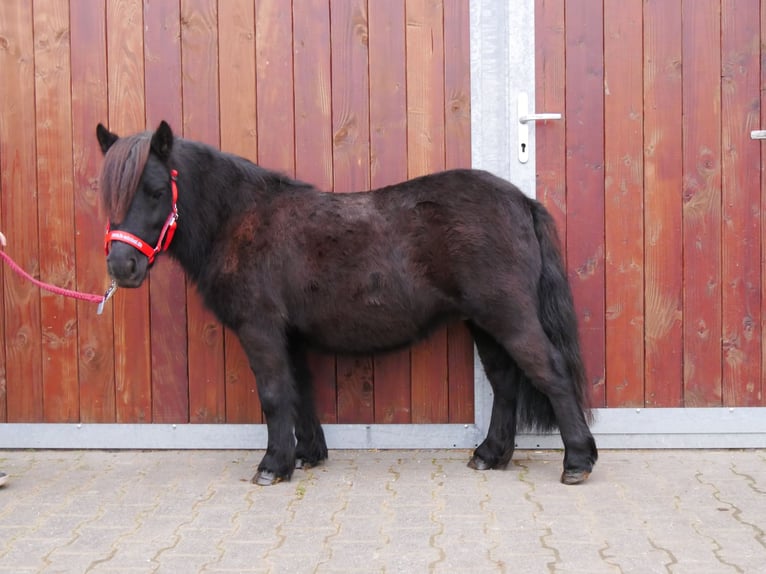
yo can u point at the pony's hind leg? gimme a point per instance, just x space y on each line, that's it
311 449
544 367
497 449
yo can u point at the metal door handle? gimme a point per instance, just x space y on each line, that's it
543 116
758 135
524 118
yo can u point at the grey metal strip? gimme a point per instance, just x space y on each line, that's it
614 428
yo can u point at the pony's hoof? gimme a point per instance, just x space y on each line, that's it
302 464
574 476
266 478
478 463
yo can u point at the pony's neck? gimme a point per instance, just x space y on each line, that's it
212 186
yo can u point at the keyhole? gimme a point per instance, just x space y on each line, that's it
523 148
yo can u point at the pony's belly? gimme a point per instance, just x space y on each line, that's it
361 341
375 331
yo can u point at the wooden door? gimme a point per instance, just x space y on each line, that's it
659 193
346 94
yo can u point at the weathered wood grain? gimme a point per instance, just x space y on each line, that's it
741 200
425 154
702 202
201 121
55 186
351 169
623 202
167 288
19 207
585 181
663 247
125 73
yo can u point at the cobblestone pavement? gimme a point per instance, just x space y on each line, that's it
693 512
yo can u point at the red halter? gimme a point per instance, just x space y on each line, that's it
166 235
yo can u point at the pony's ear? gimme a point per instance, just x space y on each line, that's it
162 141
105 138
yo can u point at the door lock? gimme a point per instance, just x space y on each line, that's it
524 118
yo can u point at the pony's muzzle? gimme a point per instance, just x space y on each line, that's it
126 265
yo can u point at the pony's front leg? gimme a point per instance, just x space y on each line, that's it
277 391
311 449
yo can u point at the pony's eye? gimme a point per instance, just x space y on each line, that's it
154 193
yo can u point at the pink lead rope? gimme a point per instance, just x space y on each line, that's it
90 297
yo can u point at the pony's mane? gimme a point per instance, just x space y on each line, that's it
124 163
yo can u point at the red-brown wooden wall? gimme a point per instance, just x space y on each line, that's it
343 93
652 177
659 193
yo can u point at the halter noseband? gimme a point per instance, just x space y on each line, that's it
166 235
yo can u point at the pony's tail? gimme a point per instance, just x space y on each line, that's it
559 320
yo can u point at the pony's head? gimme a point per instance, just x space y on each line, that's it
138 196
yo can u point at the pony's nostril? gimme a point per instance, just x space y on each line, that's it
122 267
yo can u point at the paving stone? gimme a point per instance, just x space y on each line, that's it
382 511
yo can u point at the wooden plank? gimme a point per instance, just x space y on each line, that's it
24 383
457 133
167 291
274 77
388 165
89 107
236 32
313 145
550 137
663 249
351 170
741 230
3 363
702 202
585 181
763 203
199 46
275 109
126 115
425 145
623 205
56 204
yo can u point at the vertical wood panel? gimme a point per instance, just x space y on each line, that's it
763 207
313 145
351 169
236 30
24 385
199 45
388 165
585 180
624 233
167 292
3 362
457 141
126 116
274 77
89 107
276 115
56 201
425 149
663 245
702 202
741 231
550 137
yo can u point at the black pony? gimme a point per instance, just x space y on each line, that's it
287 267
